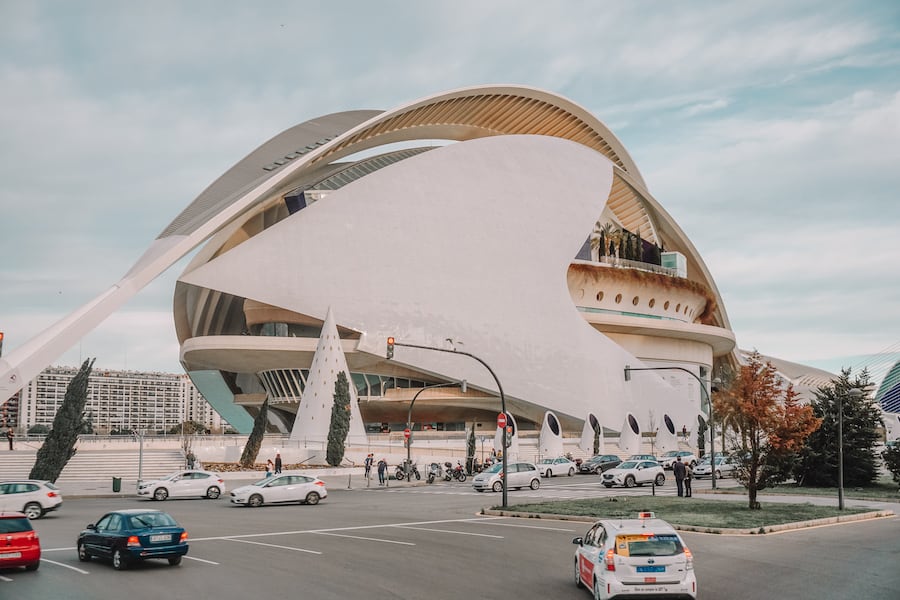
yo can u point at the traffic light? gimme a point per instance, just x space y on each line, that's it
390 347
1 343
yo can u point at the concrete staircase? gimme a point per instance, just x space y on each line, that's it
97 465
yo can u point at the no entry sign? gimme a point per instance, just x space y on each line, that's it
501 420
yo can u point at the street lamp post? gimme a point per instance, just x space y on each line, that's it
854 393
409 440
712 429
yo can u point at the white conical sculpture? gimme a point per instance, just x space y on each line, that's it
591 426
667 436
551 444
314 413
630 436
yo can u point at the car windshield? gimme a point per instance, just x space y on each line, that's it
170 476
495 468
670 453
629 464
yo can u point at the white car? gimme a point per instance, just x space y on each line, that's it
670 457
33 497
725 467
280 489
557 466
520 475
643 557
184 484
634 472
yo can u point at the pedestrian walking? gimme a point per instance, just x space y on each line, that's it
10 434
688 476
277 463
382 471
684 432
368 462
679 471
270 466
191 459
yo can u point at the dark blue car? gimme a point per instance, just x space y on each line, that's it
129 536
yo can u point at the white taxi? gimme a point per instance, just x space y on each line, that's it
644 557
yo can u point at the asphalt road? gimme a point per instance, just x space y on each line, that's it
430 542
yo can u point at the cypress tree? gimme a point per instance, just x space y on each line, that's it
254 442
59 445
470 450
340 421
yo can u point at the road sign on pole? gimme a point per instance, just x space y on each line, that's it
501 420
406 433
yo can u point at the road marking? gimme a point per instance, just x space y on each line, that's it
59 564
532 527
359 537
201 560
272 545
2 578
499 537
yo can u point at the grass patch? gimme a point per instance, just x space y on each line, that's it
695 512
883 490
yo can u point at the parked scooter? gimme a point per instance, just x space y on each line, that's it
434 472
400 474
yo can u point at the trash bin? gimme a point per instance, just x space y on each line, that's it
117 484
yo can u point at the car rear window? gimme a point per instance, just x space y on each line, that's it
642 545
15 525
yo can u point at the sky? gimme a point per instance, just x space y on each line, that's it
770 132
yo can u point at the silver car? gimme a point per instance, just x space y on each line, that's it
184 484
519 475
635 472
33 497
281 489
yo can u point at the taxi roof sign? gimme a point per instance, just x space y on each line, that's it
646 514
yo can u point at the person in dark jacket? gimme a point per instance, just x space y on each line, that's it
679 471
382 471
277 463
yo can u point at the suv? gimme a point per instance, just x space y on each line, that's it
19 542
520 475
687 457
643 556
634 472
33 497
598 464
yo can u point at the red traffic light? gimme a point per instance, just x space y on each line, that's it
390 347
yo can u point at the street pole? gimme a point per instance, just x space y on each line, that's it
712 427
409 440
392 342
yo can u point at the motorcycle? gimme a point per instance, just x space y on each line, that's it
457 472
400 474
434 472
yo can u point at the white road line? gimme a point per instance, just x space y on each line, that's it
59 564
499 537
2 578
359 537
209 562
533 527
272 545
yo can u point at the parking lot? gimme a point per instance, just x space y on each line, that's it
413 542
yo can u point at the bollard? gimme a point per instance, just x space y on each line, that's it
348 481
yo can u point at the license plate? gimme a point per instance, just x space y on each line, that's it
10 555
160 538
652 569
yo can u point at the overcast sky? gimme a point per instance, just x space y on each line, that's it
770 131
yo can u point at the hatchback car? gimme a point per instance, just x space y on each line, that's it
634 472
557 466
281 489
130 536
600 463
184 484
668 458
725 467
519 475
33 497
19 542
642 557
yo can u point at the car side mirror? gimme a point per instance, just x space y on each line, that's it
579 540
92 527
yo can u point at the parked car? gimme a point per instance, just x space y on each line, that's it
184 484
556 466
634 472
725 467
19 542
281 489
643 457
520 474
687 457
599 463
643 557
130 536
33 497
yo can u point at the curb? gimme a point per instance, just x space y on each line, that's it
878 514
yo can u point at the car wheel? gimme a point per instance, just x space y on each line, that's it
255 500
160 494
571 471
174 560
535 483
213 492
549 473
660 479
718 473
629 481
33 566
119 562
312 498
83 554
607 485
577 575
498 486
33 510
